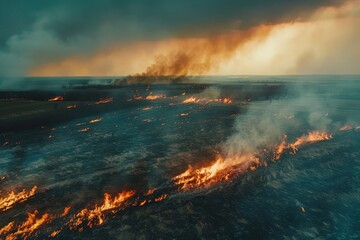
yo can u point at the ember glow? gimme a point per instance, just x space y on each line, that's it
191 100
152 97
96 215
105 100
57 98
9 201
95 120
84 130
346 127
71 106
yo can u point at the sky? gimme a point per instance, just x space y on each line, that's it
168 37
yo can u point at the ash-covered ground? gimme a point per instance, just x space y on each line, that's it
97 139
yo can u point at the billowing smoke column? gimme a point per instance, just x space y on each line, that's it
193 57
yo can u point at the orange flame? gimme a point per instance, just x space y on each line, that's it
7 228
96 216
162 197
96 120
220 170
150 191
191 99
71 106
84 129
105 100
29 226
55 233
57 98
314 136
66 211
224 100
280 149
13 198
152 97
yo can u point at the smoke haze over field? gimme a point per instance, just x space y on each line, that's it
63 38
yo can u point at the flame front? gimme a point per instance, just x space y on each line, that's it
31 224
152 97
57 98
314 136
13 198
105 100
96 216
219 171
95 120
191 99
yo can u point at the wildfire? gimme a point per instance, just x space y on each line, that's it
184 114
84 129
162 197
95 120
150 191
31 224
96 216
7 228
310 137
13 198
191 99
224 100
71 106
152 97
66 211
105 100
280 149
57 98
220 170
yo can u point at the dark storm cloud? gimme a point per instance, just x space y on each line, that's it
33 32
148 19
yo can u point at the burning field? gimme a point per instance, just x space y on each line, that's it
232 158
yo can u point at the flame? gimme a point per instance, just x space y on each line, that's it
224 100
191 99
280 149
66 211
152 97
84 129
13 198
105 100
184 114
7 228
220 170
314 136
162 197
95 120
96 215
55 233
71 106
346 127
29 226
150 191
57 98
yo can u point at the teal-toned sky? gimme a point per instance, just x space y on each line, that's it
38 35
